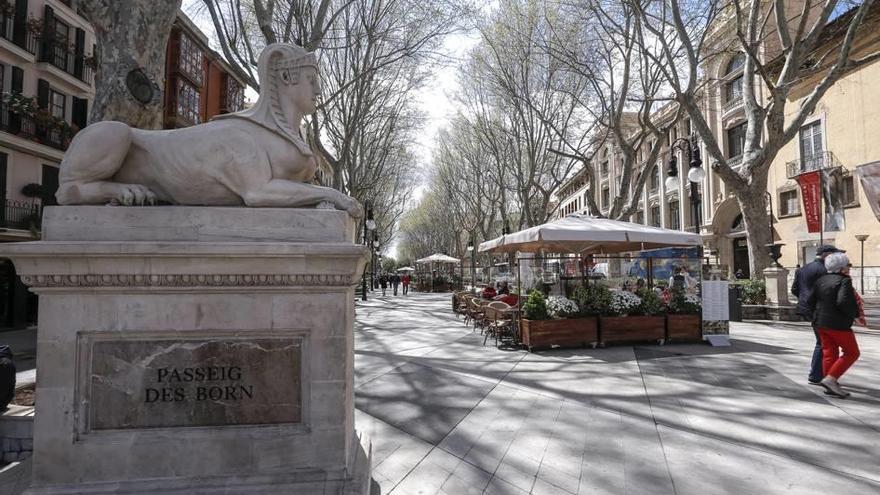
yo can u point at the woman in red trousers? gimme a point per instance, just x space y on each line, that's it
835 307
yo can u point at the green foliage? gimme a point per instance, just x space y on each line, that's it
752 291
682 303
651 303
593 299
535 307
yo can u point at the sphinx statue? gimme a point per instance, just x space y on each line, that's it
256 157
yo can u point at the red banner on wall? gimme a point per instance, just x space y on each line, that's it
811 192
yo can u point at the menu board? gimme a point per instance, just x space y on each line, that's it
715 300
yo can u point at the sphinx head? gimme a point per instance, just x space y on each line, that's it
289 75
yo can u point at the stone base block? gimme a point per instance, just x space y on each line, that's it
195 350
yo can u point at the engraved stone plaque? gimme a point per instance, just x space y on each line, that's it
194 382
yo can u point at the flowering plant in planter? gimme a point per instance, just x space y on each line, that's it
535 307
651 304
91 61
682 303
623 303
7 8
561 307
19 103
34 26
593 299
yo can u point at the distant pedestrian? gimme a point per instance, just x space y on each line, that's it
395 282
405 281
804 280
835 306
739 274
383 283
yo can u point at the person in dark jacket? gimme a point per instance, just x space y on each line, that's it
804 280
7 377
395 282
834 306
383 283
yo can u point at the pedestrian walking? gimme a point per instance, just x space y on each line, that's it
804 280
405 281
395 282
835 307
383 283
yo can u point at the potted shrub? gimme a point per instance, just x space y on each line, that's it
548 323
683 319
632 318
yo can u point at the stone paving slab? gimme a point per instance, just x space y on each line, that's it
448 415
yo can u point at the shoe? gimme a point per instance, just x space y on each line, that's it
818 383
833 388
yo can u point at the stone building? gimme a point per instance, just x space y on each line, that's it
47 77
838 137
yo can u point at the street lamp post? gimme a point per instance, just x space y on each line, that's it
374 250
369 226
695 175
470 248
862 238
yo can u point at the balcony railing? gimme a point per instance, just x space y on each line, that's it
819 161
59 55
27 42
731 105
27 127
20 215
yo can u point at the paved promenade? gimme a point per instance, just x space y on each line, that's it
447 415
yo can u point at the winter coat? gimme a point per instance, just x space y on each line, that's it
804 280
833 302
7 376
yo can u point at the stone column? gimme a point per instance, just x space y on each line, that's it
195 350
776 280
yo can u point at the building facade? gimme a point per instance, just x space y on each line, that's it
47 66
838 137
47 78
199 84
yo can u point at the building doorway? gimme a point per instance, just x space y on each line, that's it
741 257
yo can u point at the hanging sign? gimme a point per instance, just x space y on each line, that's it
812 195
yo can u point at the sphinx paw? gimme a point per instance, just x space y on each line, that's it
131 195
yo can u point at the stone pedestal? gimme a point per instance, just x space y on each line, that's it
186 350
776 281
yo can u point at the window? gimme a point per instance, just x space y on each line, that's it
655 216
188 102
605 167
640 217
811 146
57 104
606 197
674 215
733 90
2 78
190 58
59 48
655 178
736 63
848 188
736 140
789 204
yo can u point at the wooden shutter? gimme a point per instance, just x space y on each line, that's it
17 80
43 93
80 114
79 53
3 158
50 185
48 33
19 23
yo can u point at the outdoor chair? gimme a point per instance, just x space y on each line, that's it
478 313
461 304
464 307
501 324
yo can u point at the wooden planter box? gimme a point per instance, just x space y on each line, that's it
568 332
619 329
683 328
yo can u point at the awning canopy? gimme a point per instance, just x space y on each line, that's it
406 269
438 258
584 234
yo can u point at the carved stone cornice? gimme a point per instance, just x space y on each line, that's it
188 280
